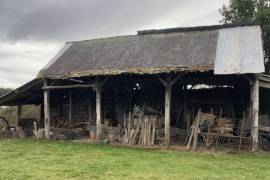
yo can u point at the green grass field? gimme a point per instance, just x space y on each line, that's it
29 159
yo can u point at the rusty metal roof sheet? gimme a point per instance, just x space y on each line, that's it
239 50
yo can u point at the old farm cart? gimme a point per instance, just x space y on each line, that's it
197 87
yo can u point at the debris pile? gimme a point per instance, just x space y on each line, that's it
223 126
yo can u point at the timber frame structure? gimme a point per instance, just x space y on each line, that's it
171 74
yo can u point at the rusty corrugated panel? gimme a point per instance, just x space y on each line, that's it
239 50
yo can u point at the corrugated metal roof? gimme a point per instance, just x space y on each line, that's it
239 50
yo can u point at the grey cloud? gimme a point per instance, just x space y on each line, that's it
69 19
52 22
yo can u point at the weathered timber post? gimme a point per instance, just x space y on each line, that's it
99 85
168 83
46 110
98 111
168 93
18 116
255 115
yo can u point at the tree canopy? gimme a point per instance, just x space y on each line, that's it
250 11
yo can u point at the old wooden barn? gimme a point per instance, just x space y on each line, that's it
197 87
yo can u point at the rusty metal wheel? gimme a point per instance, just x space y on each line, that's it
4 125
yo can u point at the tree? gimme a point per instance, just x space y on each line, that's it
250 11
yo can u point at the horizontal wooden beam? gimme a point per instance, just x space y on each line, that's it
264 78
264 84
162 80
169 81
70 86
102 82
176 79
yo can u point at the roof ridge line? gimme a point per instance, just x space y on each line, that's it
194 28
109 37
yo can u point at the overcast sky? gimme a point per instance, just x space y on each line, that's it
32 31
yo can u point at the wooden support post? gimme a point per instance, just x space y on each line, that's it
168 83
99 85
168 91
46 111
98 109
255 115
18 117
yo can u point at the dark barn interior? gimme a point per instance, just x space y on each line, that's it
224 96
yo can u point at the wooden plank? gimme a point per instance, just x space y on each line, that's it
196 131
46 111
191 133
255 115
69 86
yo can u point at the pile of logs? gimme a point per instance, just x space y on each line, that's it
223 126
207 125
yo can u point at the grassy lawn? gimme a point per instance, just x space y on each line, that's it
29 159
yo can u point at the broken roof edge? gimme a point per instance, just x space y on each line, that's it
195 28
8 96
138 71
